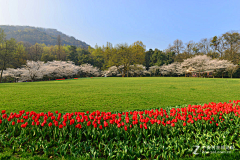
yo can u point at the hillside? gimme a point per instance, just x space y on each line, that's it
40 35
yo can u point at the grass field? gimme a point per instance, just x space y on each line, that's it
115 94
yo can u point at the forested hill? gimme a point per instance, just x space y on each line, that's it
40 35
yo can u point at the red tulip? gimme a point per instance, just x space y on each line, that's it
119 125
3 111
50 124
125 128
88 123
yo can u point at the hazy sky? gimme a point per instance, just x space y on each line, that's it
156 23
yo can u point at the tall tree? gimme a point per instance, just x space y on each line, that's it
124 56
20 56
7 49
84 56
36 51
148 56
217 43
178 46
204 46
72 55
59 44
189 48
158 58
232 46
98 57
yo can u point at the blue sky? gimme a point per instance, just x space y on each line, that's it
155 23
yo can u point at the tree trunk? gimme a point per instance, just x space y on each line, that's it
1 75
2 71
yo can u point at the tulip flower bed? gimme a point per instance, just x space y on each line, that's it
156 133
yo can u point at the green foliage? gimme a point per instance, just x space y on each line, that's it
7 50
124 55
159 57
73 55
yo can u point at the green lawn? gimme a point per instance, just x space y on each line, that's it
115 94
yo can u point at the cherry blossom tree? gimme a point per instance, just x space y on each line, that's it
198 63
231 68
137 69
34 70
57 69
112 71
89 70
178 69
164 70
153 70
14 73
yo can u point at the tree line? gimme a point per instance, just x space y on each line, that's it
199 64
15 54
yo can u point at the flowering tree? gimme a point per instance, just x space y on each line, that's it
56 69
34 70
199 63
164 70
70 69
231 68
153 69
137 69
179 70
15 73
112 71
88 70
186 64
222 66
172 68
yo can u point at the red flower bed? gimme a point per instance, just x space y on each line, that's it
104 134
179 116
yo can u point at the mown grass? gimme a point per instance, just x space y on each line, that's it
115 94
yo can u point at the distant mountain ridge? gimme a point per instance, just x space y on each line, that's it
40 35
